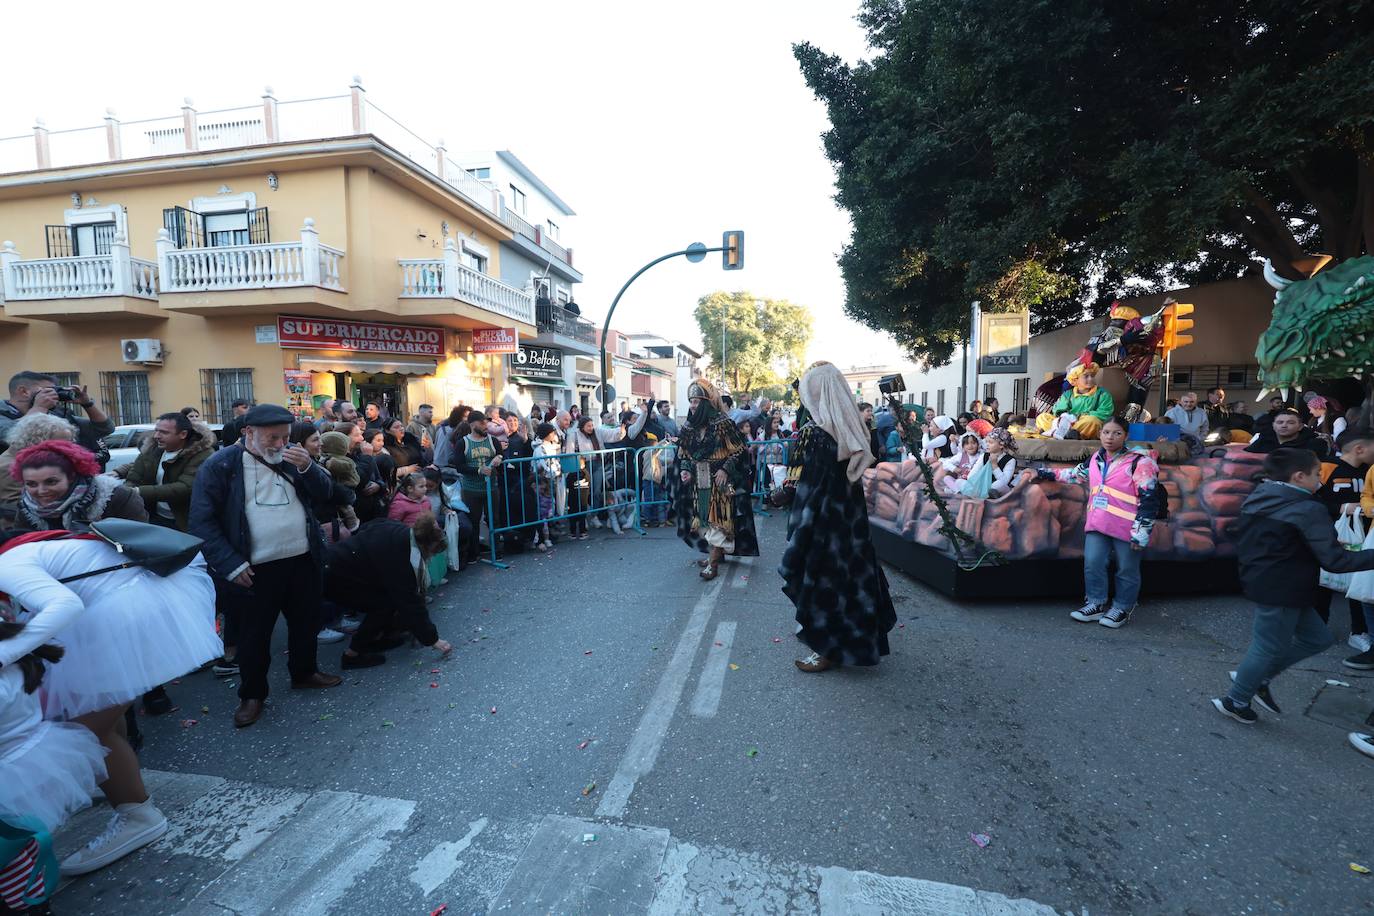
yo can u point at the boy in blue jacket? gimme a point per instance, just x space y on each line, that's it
1284 539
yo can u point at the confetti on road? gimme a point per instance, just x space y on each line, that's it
493 710
752 752
777 639
588 789
434 683
187 723
452 705
1331 683
387 723
439 910
328 715
583 745
433 670
981 840
720 643
1359 869
588 652
589 838
734 667
204 709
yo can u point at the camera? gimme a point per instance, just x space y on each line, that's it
891 384
67 395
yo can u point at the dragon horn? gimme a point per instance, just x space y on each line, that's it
1264 393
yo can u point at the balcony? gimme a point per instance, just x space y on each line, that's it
301 273
91 287
448 278
554 319
535 234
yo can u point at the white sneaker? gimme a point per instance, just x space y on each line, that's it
594 522
350 623
1360 642
327 636
1362 743
132 827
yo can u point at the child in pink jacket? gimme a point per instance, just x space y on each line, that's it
411 500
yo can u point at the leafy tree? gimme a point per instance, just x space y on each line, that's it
765 339
1051 154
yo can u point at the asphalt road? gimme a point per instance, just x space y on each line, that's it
611 735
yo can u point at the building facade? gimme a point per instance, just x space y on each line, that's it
286 253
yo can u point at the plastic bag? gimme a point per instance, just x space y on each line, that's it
978 484
452 531
1350 532
1362 583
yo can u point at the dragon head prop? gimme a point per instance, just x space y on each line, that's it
1322 328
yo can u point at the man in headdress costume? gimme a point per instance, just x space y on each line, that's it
714 512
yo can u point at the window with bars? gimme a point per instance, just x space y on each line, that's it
218 390
989 391
83 240
189 229
126 396
1020 395
1203 377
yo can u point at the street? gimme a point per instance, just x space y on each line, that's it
611 735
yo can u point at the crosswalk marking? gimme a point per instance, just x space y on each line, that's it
442 861
739 576
707 698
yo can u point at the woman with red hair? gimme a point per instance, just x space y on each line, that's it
63 488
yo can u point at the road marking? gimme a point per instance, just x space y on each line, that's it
442 861
653 726
707 698
862 893
740 575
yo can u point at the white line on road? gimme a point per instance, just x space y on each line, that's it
740 576
653 725
707 698
442 861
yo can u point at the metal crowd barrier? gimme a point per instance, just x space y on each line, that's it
512 489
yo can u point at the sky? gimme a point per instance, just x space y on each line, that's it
660 124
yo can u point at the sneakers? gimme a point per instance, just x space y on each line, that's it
1116 618
327 636
1265 698
1242 714
349 624
132 827
1088 613
594 522
1362 743
1362 662
225 667
1360 642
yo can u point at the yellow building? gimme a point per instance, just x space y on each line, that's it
193 260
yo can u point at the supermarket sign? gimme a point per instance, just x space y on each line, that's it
495 340
300 333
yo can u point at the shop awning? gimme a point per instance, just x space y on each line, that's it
344 364
538 382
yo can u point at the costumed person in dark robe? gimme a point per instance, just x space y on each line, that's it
714 512
829 569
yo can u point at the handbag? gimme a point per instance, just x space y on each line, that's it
160 550
28 866
1349 531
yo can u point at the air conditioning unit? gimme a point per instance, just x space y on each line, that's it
145 350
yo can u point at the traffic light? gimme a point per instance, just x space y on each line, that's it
732 258
1175 325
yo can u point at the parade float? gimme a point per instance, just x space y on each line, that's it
1030 541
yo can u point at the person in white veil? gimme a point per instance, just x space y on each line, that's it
829 568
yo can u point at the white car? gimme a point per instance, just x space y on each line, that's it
126 442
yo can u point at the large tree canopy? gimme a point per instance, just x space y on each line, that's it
1049 154
765 339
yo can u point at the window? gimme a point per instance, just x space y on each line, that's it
925 398
473 260
191 229
80 241
989 391
482 172
126 397
940 401
219 388
552 228
517 201
1020 395
564 297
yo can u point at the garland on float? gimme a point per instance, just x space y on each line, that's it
958 538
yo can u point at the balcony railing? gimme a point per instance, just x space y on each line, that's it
535 234
113 274
448 278
266 266
555 319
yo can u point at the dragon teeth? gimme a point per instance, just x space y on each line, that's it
1339 352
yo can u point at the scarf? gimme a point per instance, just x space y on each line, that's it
78 502
826 396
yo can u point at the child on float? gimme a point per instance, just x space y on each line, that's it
938 441
1123 502
951 472
994 471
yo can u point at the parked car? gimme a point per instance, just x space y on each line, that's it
126 441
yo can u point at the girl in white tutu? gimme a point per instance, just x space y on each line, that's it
124 632
48 770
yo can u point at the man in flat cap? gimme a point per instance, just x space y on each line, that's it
251 505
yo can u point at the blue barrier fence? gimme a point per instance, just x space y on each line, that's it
623 487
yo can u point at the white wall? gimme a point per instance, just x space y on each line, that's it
539 209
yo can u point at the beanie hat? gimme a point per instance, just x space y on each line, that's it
334 444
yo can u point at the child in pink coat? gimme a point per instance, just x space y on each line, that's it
411 501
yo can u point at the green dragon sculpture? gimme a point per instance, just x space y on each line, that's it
1322 328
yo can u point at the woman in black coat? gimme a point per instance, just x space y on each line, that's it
381 574
404 449
519 504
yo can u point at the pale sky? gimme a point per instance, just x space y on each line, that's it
660 124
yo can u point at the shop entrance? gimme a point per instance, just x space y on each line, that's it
387 389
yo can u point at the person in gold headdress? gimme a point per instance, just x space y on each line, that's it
1089 404
714 512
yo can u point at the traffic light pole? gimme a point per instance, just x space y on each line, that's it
606 328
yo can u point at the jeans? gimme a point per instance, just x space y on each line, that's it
652 495
1282 637
1098 550
291 588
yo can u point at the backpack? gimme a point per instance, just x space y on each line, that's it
1164 501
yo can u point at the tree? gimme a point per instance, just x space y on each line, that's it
765 339
1052 154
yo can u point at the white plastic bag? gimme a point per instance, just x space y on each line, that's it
1349 531
1361 586
451 532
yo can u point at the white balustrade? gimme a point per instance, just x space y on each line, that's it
113 274
447 278
264 266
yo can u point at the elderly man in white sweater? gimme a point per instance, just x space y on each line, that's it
1191 419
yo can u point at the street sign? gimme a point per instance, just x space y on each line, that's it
609 396
696 252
